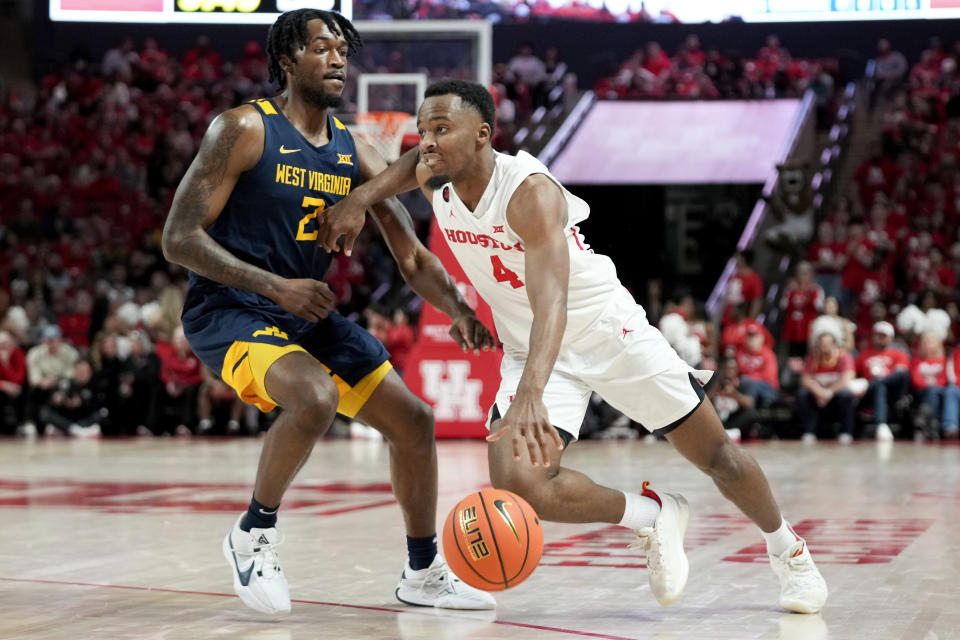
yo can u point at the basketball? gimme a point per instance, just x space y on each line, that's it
493 540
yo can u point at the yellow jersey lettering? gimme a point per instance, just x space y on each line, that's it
315 181
345 158
293 176
302 234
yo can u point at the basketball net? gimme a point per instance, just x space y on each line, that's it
385 131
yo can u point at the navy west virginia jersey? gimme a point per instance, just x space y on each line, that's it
270 220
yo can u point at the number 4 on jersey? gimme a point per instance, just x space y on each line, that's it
502 274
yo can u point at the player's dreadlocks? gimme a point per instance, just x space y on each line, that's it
476 95
289 33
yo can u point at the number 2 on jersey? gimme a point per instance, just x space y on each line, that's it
502 274
302 233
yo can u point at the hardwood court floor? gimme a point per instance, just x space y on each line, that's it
121 539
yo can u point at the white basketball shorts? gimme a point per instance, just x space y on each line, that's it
625 360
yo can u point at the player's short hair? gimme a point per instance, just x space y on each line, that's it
289 33
476 95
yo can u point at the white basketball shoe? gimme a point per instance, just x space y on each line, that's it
255 563
802 588
666 561
438 586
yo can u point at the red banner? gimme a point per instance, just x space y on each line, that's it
459 386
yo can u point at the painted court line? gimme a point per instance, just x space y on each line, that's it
573 632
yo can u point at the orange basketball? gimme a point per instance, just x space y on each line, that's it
492 540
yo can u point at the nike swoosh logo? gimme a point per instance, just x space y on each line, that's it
244 575
500 506
282 150
268 513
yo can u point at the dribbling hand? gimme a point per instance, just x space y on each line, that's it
529 426
346 218
305 297
468 332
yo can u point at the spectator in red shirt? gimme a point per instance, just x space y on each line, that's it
887 370
75 323
826 255
858 257
875 286
181 374
13 375
775 54
744 286
690 54
735 334
201 59
876 174
656 60
400 340
215 396
939 399
802 302
823 391
759 374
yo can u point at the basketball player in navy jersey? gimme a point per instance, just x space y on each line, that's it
244 222
570 328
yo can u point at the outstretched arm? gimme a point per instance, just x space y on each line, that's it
233 144
537 213
346 218
422 270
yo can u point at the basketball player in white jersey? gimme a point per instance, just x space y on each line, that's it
569 328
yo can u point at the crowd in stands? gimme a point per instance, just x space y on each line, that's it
89 309
525 83
695 73
520 11
869 333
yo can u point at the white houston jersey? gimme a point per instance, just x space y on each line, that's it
492 255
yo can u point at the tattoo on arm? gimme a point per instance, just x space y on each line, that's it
200 198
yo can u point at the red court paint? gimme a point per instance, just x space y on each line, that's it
848 541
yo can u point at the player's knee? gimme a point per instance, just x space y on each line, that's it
726 462
315 407
423 419
418 425
529 486
513 482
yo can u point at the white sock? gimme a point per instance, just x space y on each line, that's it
639 512
781 539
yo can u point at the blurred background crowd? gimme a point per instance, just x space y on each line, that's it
864 343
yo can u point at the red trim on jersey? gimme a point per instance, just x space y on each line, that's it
576 236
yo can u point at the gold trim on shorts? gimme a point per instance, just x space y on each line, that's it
246 364
245 367
353 398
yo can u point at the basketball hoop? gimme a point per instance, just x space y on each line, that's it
385 131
